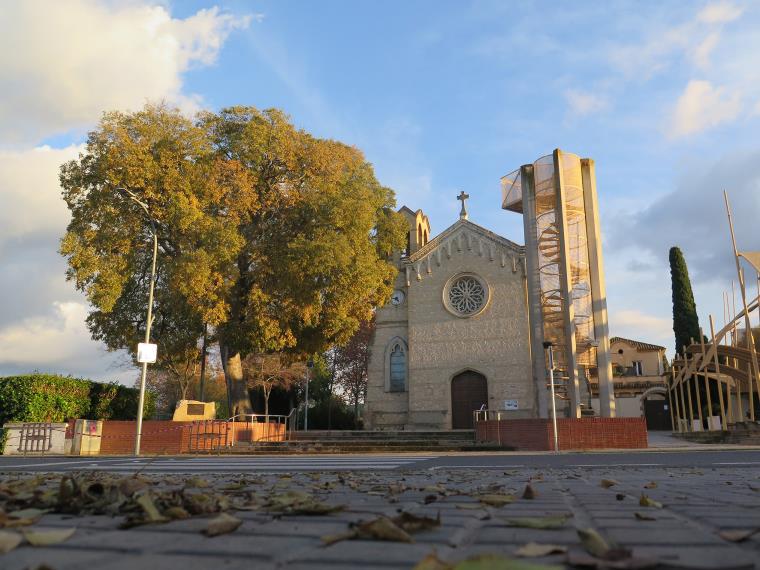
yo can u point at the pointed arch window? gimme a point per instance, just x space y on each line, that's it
396 366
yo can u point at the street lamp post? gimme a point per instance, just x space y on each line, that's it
144 373
309 365
548 347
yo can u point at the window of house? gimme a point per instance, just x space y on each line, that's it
397 369
638 369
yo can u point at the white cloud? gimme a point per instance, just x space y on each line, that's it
702 106
638 325
31 196
59 343
583 103
703 50
64 63
719 13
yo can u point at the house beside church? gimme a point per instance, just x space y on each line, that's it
455 336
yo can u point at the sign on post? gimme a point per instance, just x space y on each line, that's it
510 405
147 352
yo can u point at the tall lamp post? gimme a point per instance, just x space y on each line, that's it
149 354
548 347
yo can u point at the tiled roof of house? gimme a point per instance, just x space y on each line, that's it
637 344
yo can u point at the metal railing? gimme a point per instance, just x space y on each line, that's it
276 427
35 437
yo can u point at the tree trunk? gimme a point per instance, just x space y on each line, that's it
237 390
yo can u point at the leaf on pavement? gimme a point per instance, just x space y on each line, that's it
542 523
644 517
651 485
583 560
645 501
496 499
222 524
196 482
529 492
535 550
176 513
593 542
607 483
737 535
381 528
27 514
8 541
495 562
413 523
432 562
47 537
152 514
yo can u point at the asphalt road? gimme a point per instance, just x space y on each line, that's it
383 462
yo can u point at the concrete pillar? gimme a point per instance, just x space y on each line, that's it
566 289
533 285
598 290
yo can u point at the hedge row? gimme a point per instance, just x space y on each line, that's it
52 398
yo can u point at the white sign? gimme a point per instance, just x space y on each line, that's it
147 352
510 404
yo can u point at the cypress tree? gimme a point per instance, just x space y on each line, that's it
685 319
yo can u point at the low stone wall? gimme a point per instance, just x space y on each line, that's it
536 434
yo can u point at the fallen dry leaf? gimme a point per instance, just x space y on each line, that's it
535 550
607 483
651 485
47 537
737 535
645 501
414 523
644 517
222 524
541 523
495 499
9 541
529 492
432 562
597 546
496 562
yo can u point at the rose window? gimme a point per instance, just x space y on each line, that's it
467 295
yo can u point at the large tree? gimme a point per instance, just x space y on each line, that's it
685 319
277 239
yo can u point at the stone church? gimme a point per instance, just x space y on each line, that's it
455 335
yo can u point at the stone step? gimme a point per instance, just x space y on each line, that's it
284 449
459 435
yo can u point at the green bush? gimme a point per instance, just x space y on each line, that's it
52 398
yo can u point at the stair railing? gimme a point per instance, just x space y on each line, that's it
268 420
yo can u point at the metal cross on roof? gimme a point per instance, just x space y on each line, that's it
463 197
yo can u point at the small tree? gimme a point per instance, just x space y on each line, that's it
268 371
351 363
685 319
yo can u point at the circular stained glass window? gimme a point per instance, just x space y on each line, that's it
466 295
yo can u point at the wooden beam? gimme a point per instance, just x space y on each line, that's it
723 424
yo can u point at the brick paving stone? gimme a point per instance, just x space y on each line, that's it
697 505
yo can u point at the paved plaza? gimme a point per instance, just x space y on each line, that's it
457 512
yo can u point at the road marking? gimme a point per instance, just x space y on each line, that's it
229 464
616 465
739 463
89 461
504 466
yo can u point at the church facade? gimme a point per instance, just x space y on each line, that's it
455 336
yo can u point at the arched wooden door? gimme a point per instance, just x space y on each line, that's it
469 391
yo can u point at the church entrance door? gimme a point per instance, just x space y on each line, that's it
469 391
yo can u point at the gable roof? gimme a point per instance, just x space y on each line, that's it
638 345
480 231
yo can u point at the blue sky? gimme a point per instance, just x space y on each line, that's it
441 96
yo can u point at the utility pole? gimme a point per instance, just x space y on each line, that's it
203 363
145 351
548 346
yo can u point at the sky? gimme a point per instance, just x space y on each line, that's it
441 96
